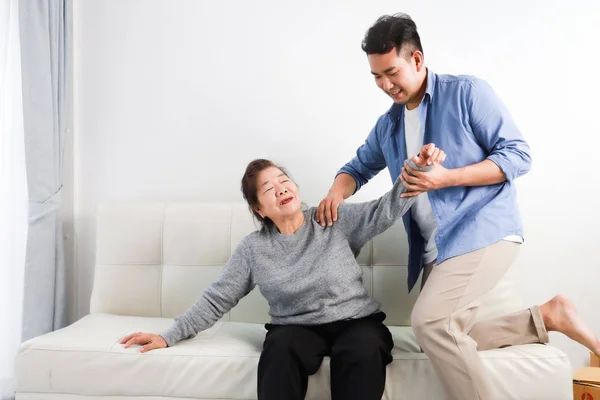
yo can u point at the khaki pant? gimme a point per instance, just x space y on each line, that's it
443 319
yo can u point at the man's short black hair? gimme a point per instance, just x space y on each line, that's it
392 31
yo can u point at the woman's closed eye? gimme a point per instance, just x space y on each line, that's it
273 187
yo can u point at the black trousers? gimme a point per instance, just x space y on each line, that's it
359 349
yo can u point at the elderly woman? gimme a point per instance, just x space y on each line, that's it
310 277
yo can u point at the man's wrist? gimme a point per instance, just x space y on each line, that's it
335 193
344 186
454 177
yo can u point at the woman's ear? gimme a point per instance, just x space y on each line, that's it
257 210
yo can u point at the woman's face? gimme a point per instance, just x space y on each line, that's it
277 194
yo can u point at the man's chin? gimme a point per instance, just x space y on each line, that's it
399 100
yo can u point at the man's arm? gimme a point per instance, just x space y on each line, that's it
482 173
366 164
344 185
496 131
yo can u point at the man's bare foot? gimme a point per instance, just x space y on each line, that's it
559 315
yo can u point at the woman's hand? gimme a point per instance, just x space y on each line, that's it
429 155
417 182
149 341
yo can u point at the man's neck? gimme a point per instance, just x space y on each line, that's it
414 103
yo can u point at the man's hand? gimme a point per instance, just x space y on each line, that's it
343 187
437 178
328 208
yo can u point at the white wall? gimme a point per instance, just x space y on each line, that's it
173 98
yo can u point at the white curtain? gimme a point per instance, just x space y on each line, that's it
45 32
13 195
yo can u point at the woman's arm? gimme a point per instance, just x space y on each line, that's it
364 221
234 283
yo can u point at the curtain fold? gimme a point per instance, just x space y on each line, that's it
45 29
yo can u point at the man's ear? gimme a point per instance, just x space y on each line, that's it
419 59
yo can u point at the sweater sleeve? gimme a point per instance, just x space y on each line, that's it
233 284
361 222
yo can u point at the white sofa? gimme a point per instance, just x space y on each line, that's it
154 260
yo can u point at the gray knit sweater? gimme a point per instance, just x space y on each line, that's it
309 277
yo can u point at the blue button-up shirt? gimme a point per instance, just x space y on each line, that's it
464 117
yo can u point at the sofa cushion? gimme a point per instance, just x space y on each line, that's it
86 359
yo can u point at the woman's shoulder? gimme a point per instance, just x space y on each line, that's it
310 215
255 237
343 210
310 212
346 210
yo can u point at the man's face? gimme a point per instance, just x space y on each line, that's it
397 75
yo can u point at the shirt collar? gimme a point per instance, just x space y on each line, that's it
397 110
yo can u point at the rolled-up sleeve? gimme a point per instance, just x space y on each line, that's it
369 159
495 129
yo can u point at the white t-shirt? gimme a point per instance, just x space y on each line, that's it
421 210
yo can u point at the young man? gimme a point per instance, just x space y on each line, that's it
466 220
